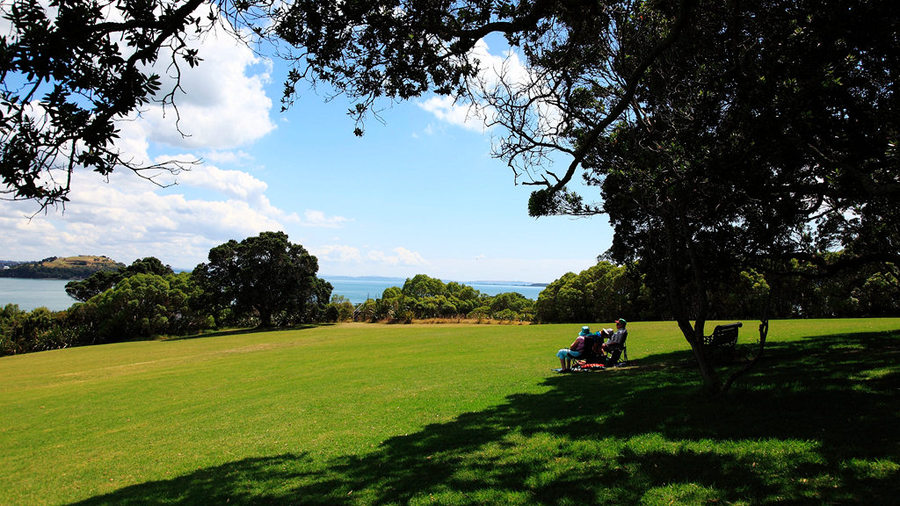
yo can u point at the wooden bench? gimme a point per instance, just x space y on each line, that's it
723 339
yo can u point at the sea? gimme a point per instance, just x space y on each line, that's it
29 294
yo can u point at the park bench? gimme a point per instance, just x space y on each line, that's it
722 341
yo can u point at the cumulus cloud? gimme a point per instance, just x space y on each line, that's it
337 253
319 219
351 257
233 183
468 116
501 73
126 219
492 68
223 104
237 157
397 256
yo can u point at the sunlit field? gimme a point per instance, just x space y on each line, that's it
452 414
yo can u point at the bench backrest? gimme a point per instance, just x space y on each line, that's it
724 335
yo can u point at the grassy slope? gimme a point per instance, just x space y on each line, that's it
370 413
82 261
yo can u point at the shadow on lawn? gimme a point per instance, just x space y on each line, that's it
244 331
816 422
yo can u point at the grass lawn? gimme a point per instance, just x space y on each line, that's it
449 414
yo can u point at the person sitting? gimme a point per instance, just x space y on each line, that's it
567 355
617 340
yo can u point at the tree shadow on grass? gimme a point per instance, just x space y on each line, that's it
241 331
816 422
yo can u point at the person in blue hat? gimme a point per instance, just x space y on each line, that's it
567 355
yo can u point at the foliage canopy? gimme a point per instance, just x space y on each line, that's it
267 276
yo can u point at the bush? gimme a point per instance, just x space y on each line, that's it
480 313
38 330
506 315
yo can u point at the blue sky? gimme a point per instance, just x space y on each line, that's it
418 194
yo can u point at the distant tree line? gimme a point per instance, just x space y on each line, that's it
44 269
424 297
260 281
607 291
268 281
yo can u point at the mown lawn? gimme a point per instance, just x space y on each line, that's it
368 414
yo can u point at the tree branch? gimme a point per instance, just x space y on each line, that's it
684 12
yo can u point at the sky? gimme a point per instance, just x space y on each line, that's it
419 193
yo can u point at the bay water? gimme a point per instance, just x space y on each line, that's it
51 293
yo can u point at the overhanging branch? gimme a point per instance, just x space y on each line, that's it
684 12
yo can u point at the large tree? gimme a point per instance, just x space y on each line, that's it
767 133
723 135
267 277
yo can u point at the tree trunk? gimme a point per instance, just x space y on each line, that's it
265 318
712 384
693 334
763 334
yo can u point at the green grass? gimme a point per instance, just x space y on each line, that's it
365 414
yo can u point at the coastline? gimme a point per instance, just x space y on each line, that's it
31 293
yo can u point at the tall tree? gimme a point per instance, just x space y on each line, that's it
766 133
265 276
723 135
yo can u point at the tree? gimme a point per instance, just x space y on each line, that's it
73 69
24 331
141 305
101 281
601 293
340 309
421 286
267 277
766 133
724 136
880 294
515 302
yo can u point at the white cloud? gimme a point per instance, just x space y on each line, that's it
491 69
319 219
497 74
398 256
228 157
223 105
129 218
353 260
447 109
233 183
222 102
337 253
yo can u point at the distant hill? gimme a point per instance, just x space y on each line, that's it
78 267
